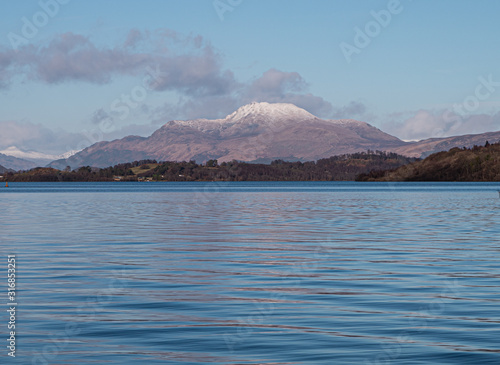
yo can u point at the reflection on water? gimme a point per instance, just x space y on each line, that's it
255 273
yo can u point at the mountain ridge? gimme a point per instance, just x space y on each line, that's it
4 170
18 159
257 132
15 163
253 132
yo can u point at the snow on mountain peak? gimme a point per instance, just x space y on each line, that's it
269 110
250 114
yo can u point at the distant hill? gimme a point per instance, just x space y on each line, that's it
458 164
429 146
15 163
34 158
4 170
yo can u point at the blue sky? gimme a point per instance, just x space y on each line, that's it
415 69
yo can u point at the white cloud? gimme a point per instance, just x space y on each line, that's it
436 124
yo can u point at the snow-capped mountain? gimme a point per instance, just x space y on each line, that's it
254 114
269 113
260 132
254 132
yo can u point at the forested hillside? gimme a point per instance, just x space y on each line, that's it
479 163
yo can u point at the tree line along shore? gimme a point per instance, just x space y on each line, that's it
479 163
336 168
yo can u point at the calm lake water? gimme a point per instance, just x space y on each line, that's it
253 273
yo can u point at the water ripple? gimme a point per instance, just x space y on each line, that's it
252 273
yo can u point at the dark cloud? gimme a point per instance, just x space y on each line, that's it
70 57
276 83
196 74
187 64
73 57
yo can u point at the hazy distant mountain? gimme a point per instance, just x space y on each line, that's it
260 132
255 132
429 146
16 163
34 157
3 170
